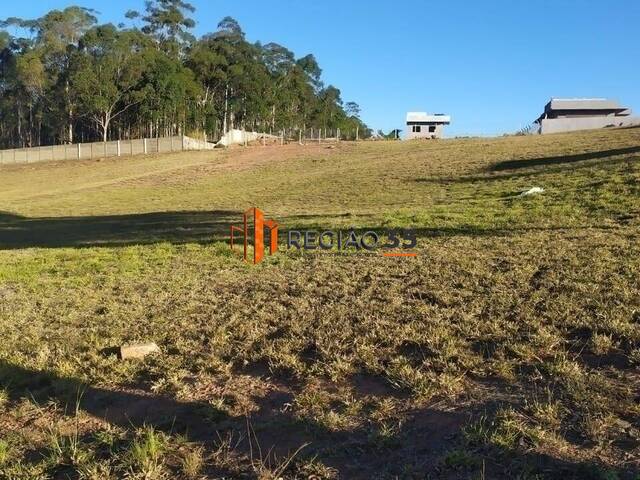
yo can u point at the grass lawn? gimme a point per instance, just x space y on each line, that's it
508 348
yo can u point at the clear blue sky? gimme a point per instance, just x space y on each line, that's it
491 64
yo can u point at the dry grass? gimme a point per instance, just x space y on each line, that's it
508 348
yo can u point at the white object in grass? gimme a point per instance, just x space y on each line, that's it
532 191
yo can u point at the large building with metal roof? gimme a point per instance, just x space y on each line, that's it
571 114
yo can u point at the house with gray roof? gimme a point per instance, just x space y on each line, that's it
571 114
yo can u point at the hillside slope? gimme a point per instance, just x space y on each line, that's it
507 348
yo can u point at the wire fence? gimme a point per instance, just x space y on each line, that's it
313 135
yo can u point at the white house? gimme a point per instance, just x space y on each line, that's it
423 125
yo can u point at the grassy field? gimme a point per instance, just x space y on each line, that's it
509 348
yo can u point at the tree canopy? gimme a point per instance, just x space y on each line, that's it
64 77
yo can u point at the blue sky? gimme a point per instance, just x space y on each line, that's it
491 64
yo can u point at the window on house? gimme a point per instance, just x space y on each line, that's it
416 129
432 129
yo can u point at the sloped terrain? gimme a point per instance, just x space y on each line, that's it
508 348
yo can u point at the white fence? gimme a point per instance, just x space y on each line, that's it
89 151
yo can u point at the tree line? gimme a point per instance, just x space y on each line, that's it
65 78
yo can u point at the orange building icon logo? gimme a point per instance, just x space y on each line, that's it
254 226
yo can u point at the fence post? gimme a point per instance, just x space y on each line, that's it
79 151
319 135
119 151
144 145
282 138
300 137
158 144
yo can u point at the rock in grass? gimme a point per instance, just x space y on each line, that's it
623 424
532 191
139 351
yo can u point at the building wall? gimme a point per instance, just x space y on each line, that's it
424 133
557 125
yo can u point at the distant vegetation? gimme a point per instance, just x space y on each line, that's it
66 78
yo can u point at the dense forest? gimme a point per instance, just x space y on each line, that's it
66 78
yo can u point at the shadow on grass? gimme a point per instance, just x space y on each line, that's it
563 159
202 227
420 445
116 230
510 170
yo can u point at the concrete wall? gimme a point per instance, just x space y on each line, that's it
193 144
557 125
239 137
424 132
88 151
